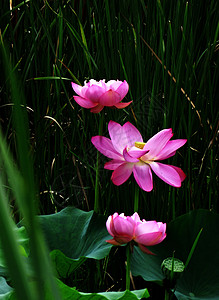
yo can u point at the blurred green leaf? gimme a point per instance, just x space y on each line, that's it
200 279
50 78
5 289
22 240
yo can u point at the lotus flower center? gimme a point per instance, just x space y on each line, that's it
139 145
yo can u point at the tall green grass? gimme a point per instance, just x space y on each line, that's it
167 52
168 55
18 182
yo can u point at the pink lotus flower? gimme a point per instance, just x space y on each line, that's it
130 154
97 94
125 229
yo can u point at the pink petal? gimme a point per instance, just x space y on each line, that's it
118 136
162 238
150 239
136 152
113 84
170 149
94 92
97 108
167 173
143 176
122 105
84 102
77 88
146 227
182 175
133 220
113 242
105 146
122 90
158 142
123 239
145 249
136 217
128 157
113 164
132 133
109 225
100 83
162 226
122 173
123 227
109 98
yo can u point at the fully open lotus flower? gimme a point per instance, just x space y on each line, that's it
130 154
125 229
97 94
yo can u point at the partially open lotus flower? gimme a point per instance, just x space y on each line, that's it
97 94
130 154
126 229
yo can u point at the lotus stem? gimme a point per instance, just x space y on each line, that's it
96 200
128 256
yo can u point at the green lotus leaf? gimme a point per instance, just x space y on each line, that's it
64 265
76 233
68 293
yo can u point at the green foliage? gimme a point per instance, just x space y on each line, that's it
22 240
5 289
168 53
199 277
64 265
68 293
76 233
72 293
80 235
